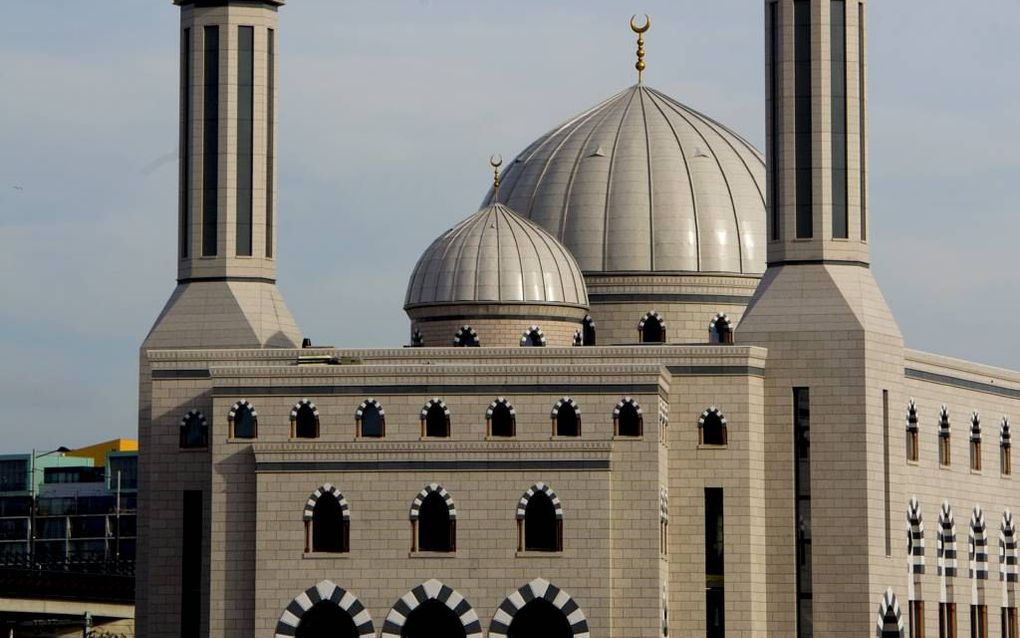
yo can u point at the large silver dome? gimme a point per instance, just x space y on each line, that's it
496 256
642 183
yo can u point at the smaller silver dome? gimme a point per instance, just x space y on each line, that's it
496 256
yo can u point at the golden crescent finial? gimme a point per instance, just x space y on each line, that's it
640 31
495 161
635 28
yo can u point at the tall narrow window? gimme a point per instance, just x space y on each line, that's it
243 421
371 419
245 137
211 142
802 485
330 528
913 446
947 620
975 443
191 564
979 621
712 428
566 418
652 328
917 619
775 91
501 418
862 134
944 438
436 530
715 568
543 528
802 117
588 331
1010 627
185 160
270 135
627 418
304 421
837 74
1005 449
194 431
886 478
435 419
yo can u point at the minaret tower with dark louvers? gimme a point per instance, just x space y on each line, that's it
226 292
834 348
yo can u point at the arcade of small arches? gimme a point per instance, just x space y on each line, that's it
433 518
944 432
539 608
436 421
651 329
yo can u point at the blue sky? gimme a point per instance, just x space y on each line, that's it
388 113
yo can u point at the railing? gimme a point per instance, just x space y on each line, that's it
95 581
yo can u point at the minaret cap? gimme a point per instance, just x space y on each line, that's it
495 161
640 31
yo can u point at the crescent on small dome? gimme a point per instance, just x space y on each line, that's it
635 28
495 161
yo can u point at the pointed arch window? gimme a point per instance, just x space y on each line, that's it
663 521
533 337
435 419
539 520
194 431
501 419
304 420
466 337
566 418
978 571
913 451
370 419
652 328
627 418
945 458
1008 574
712 428
975 442
1005 449
588 331
417 340
433 520
243 421
327 521
720 330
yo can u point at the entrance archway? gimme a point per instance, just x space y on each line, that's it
325 611
547 609
433 619
430 611
325 620
540 618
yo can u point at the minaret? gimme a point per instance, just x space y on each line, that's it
835 353
226 292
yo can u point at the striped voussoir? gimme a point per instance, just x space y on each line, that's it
234 409
465 335
710 411
538 588
325 593
522 505
665 610
364 406
565 401
533 330
498 402
944 421
578 338
1007 549
431 402
588 321
300 404
663 412
432 590
975 427
1004 432
623 402
915 537
193 414
946 541
424 493
977 543
889 616
912 416
663 503
720 317
317 494
649 315
417 339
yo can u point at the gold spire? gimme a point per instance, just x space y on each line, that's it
495 161
640 31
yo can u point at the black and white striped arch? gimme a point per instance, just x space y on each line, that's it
533 336
495 404
360 412
946 541
566 401
651 315
432 590
194 414
522 505
301 404
977 545
1007 549
324 592
234 409
890 618
915 536
317 494
424 493
434 402
538 588
624 402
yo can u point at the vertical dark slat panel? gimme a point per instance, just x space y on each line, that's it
837 72
211 142
863 118
270 136
775 90
245 138
715 589
802 487
185 144
191 564
802 117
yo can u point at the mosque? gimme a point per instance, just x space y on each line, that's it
651 388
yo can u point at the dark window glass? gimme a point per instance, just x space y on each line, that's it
502 422
211 142
540 618
588 332
326 619
329 532
433 619
270 135
435 529
127 467
567 421
13 529
533 340
541 527
245 426
185 160
715 618
775 91
653 332
14 475
862 135
802 480
191 564
629 421
436 421
802 115
713 432
306 425
245 137
372 423
837 72
194 432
